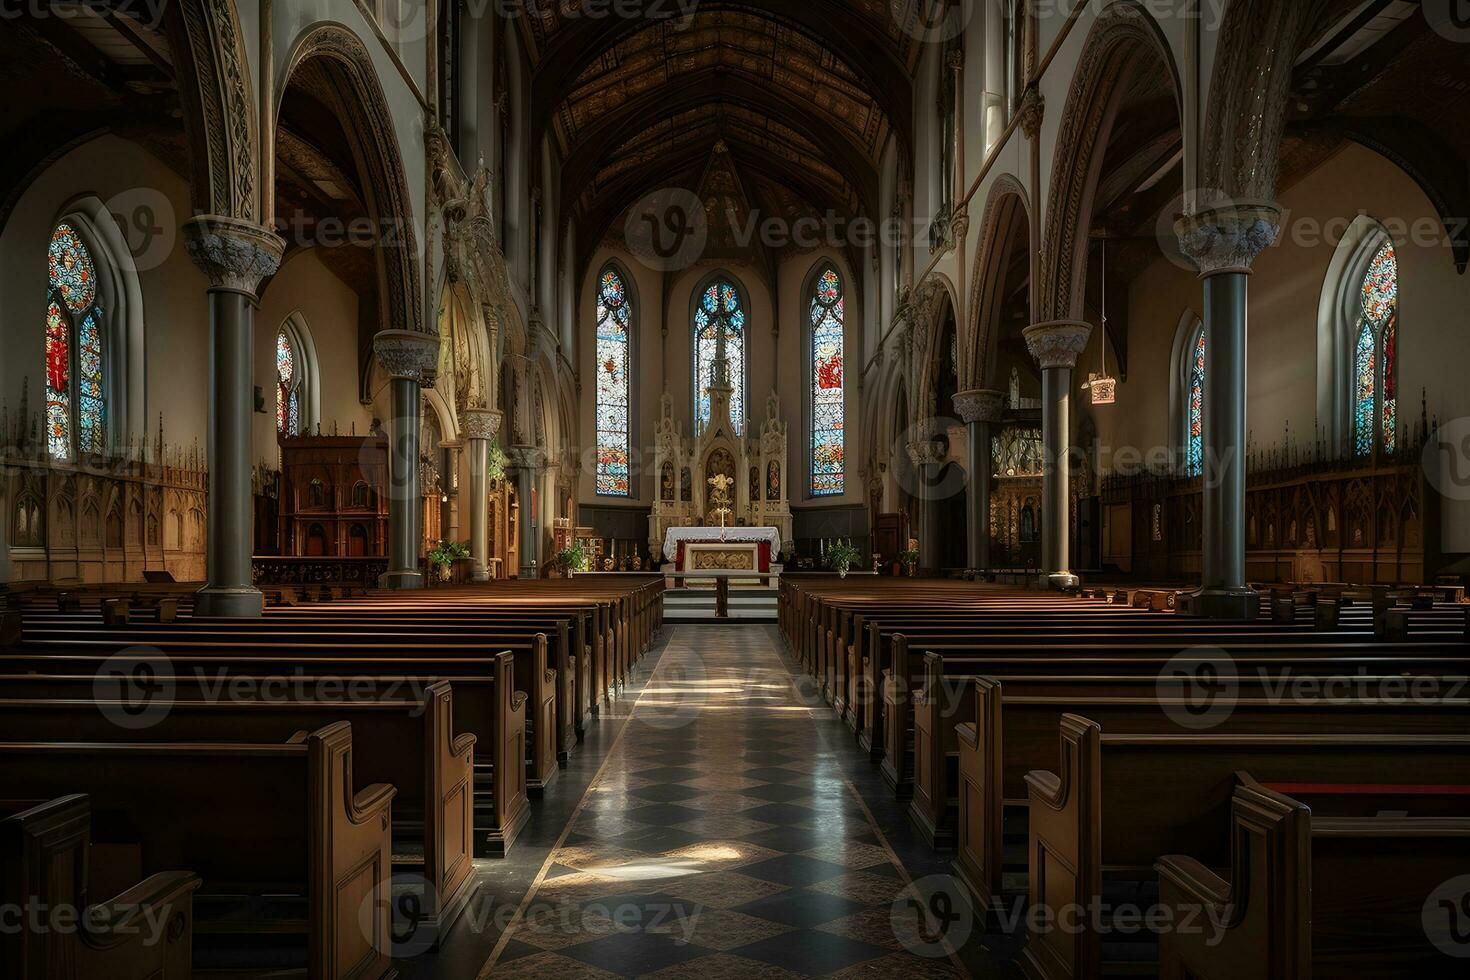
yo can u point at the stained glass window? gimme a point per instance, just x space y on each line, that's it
74 349
720 308
1194 446
828 316
1375 384
288 387
614 386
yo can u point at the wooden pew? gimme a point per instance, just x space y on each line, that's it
82 650
141 932
408 742
486 705
1120 800
1321 889
281 821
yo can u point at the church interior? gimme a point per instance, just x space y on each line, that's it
734 488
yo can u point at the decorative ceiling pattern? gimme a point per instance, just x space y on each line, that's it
801 99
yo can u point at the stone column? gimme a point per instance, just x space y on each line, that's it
978 409
528 461
235 255
927 456
479 428
406 356
1224 243
1056 347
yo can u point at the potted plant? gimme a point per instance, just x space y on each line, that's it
910 561
573 558
841 557
444 555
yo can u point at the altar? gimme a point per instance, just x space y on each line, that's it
697 549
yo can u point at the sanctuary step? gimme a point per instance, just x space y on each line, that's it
698 605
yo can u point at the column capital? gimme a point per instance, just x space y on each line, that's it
979 405
480 423
407 354
926 452
1057 343
234 254
1032 112
528 457
1228 239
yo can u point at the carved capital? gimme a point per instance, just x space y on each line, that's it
959 224
528 457
1228 239
980 405
926 452
1057 344
479 423
1032 112
234 254
408 354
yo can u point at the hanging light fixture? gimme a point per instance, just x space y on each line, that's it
1103 387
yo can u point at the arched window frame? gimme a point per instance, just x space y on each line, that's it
305 377
1341 327
739 372
816 313
1182 382
611 478
79 323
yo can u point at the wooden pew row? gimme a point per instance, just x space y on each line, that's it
487 704
886 703
407 742
1322 882
1010 735
1120 800
318 852
143 931
407 653
572 671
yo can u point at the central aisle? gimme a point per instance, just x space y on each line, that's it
720 840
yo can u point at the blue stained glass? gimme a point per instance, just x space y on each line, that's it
720 308
614 387
91 404
1194 461
1365 371
288 388
827 322
1375 356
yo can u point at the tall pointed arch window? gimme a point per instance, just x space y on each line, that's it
289 383
1374 356
76 377
1194 421
614 385
720 308
827 319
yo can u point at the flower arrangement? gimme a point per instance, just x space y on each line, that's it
573 558
842 556
445 554
910 560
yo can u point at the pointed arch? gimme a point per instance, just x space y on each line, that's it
825 409
1007 224
1186 394
297 386
616 328
720 302
1357 343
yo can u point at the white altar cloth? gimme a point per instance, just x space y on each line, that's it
677 535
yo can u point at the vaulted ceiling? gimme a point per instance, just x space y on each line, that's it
799 98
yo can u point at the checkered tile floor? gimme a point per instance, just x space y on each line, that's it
720 840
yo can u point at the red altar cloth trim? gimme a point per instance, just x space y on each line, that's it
765 557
